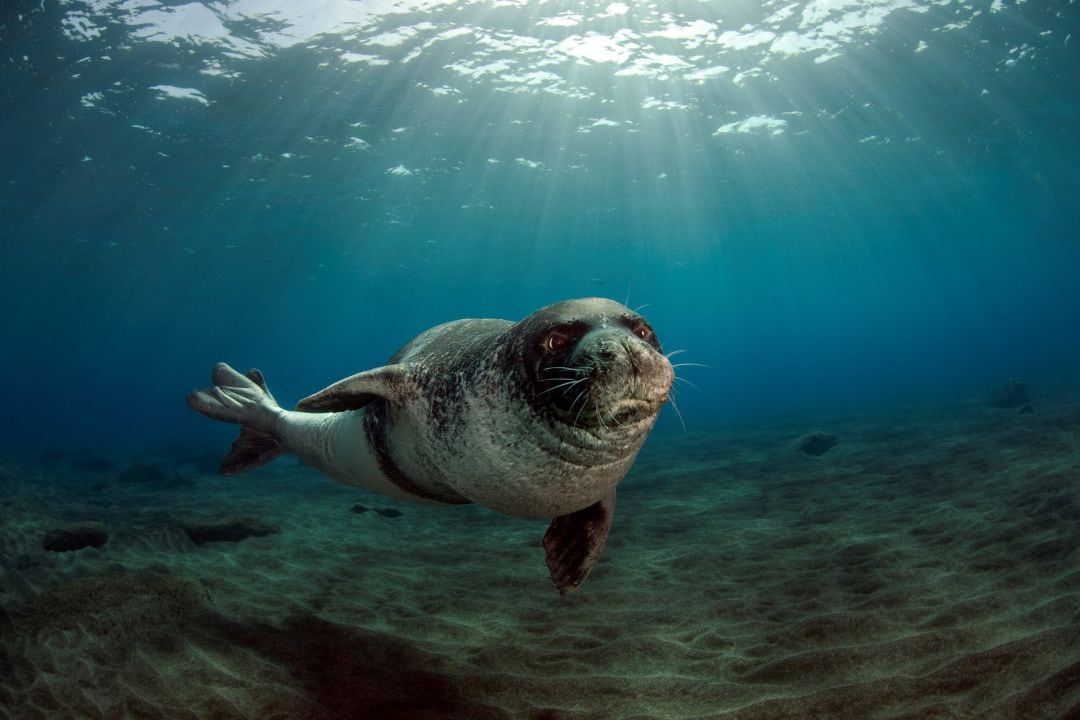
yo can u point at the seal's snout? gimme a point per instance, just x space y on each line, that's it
607 354
632 379
596 364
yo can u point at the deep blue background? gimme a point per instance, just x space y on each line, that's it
908 237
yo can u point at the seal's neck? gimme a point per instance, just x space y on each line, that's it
593 446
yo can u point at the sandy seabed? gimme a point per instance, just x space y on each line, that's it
927 566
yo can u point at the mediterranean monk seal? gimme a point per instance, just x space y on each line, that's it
540 418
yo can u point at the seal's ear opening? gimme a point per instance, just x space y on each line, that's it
356 391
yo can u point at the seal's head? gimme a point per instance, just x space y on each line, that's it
593 364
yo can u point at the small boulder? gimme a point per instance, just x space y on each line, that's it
75 536
815 443
385 512
233 529
1012 394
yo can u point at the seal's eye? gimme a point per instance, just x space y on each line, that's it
642 331
556 341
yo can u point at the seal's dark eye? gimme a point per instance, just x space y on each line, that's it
555 341
641 331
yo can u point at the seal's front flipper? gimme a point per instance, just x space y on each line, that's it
574 542
244 400
354 392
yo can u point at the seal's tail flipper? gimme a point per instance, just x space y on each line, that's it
252 449
246 401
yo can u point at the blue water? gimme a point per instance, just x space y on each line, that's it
832 205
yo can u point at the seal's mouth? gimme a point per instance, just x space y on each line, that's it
611 381
631 410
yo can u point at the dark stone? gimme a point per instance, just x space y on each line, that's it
815 443
75 536
142 473
385 512
1013 394
231 529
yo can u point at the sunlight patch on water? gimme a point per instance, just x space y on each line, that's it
651 42
760 124
599 71
179 93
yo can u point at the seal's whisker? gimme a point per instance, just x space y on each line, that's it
562 379
639 308
684 380
678 365
673 353
599 415
677 412
576 417
579 369
569 383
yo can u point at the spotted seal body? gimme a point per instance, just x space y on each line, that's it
540 418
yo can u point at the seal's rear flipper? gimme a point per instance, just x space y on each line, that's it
252 449
574 542
244 400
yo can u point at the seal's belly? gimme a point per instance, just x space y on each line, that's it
350 459
491 460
